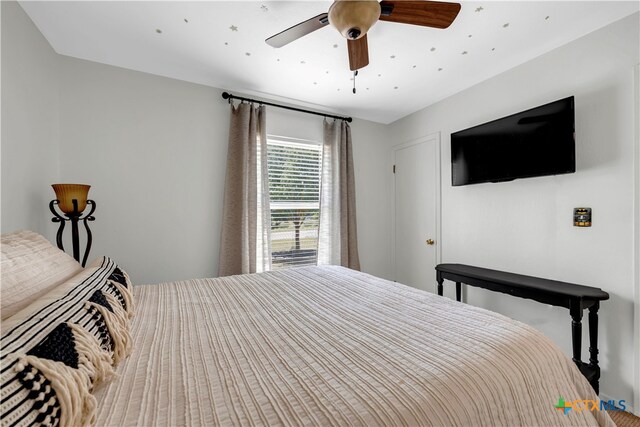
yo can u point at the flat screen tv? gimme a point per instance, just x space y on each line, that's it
536 142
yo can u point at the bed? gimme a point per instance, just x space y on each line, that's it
303 346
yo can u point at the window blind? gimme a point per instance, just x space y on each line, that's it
294 189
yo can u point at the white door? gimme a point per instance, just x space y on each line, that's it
417 212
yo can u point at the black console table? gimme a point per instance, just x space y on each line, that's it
574 297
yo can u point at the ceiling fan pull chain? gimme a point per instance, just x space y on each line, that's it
355 73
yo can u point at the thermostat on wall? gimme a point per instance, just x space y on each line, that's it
582 217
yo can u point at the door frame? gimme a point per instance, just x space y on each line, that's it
636 244
433 138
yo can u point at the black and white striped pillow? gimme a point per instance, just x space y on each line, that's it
51 360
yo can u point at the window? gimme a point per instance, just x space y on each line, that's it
294 189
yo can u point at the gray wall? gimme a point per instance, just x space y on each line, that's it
154 151
525 226
30 123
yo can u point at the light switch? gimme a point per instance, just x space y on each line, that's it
582 217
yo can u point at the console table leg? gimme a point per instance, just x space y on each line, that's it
440 280
593 346
576 332
458 291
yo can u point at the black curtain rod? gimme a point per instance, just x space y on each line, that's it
227 95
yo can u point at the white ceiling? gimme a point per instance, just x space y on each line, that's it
221 44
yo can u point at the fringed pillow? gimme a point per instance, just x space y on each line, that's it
56 355
57 377
119 285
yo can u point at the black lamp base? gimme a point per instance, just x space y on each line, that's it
74 218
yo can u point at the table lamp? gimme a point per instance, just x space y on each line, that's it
72 201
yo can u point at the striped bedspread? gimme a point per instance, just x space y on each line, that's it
331 346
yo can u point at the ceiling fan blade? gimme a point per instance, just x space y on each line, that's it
358 53
426 13
298 30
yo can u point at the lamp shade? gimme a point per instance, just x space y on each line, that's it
66 193
354 18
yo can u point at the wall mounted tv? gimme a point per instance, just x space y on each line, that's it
536 142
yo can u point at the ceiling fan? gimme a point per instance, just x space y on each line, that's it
353 18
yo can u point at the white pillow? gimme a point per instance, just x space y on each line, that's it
30 266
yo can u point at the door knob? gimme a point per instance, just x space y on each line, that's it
430 242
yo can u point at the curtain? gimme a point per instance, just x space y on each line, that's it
245 245
337 237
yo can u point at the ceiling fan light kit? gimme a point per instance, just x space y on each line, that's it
353 19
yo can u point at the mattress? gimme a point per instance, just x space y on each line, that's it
332 346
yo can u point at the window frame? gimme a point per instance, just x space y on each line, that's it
288 142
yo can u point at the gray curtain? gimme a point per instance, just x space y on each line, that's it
338 239
245 245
